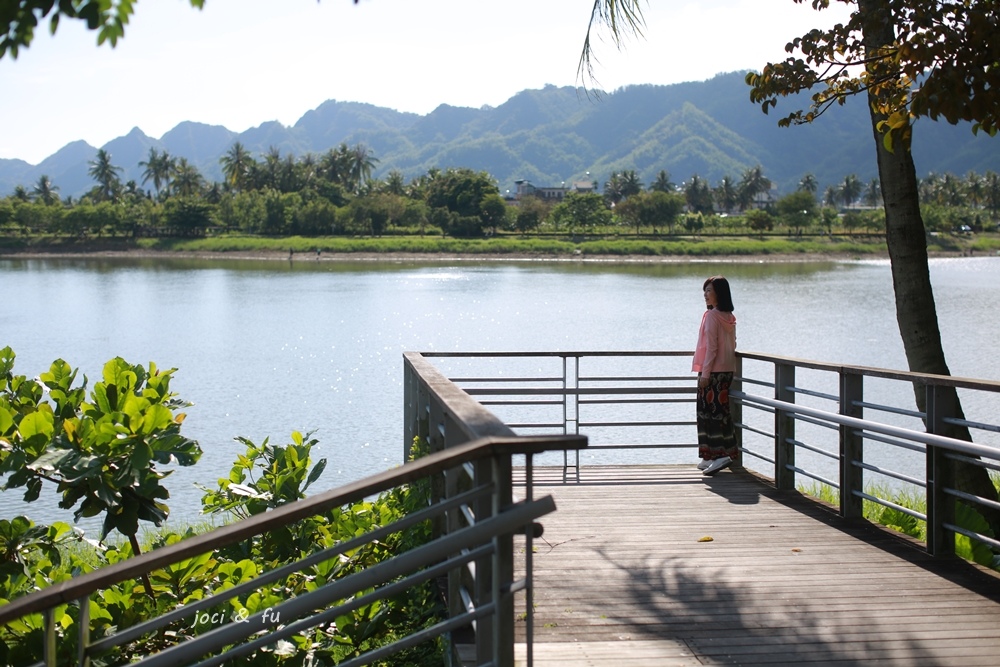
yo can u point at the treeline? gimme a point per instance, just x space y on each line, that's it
335 194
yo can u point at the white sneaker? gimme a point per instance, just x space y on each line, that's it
717 465
704 463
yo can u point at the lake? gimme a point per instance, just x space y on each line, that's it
265 347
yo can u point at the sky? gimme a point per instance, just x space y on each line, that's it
240 63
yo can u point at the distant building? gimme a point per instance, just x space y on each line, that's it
547 193
765 199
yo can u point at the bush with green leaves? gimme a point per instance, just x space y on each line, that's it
101 451
902 522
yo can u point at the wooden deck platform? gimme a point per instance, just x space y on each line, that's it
625 575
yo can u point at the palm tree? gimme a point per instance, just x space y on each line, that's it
872 194
809 184
927 188
663 183
975 188
991 185
851 189
614 189
132 191
106 175
752 184
237 165
726 194
698 195
831 196
631 185
45 192
157 168
272 168
307 170
361 165
951 192
334 165
188 181
288 180
394 183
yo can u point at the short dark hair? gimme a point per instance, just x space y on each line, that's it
723 295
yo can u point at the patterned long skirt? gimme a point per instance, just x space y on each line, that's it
716 433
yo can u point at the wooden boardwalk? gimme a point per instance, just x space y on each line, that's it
624 576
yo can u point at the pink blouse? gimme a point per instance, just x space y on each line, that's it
716 348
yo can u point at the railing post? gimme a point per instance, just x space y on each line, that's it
736 407
410 384
940 476
571 408
416 401
851 447
784 428
83 638
502 567
482 587
49 637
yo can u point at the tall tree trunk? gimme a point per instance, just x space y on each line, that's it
906 238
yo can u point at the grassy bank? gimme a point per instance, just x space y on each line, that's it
554 247
705 246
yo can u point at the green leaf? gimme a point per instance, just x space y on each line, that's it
156 418
6 420
315 473
141 456
36 423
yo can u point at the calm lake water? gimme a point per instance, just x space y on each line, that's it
267 347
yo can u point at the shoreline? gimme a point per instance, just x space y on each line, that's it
395 257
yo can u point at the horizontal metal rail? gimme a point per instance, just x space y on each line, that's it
388 578
944 442
593 395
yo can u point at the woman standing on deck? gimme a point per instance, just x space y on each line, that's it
715 362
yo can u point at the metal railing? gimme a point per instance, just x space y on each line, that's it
861 422
620 400
485 538
838 425
852 428
438 411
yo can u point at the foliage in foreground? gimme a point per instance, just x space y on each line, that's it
33 557
890 517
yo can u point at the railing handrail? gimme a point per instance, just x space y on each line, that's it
471 417
79 587
852 369
932 439
563 353
872 371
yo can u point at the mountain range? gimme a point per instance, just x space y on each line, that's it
556 135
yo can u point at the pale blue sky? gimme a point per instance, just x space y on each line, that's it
240 63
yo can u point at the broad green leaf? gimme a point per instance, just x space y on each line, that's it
6 420
36 423
155 419
142 454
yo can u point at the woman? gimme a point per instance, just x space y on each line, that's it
715 362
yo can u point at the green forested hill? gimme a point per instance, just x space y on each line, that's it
556 135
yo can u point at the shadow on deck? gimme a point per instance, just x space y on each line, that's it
626 574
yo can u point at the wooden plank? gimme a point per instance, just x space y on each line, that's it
621 577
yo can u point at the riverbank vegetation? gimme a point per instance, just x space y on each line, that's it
331 203
100 449
902 522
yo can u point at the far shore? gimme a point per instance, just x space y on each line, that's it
327 256
700 250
